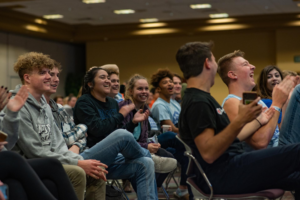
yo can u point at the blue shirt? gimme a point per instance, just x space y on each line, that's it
274 140
162 110
268 102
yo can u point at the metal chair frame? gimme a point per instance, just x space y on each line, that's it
211 196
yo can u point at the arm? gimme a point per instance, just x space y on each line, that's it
256 136
212 146
161 114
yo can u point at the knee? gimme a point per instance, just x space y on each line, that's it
123 134
147 164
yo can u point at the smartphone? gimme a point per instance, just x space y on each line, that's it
248 97
3 136
4 191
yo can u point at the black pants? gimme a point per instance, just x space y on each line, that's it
277 167
27 179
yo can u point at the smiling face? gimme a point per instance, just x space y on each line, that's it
273 78
177 85
166 87
243 72
72 102
115 85
140 92
54 73
38 80
101 83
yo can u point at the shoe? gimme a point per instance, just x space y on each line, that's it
164 164
181 194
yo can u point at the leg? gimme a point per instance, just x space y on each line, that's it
95 189
160 177
290 129
51 169
16 190
277 167
139 171
13 166
77 177
119 141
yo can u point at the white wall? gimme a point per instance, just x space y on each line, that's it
12 46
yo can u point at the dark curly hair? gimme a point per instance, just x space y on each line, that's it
89 78
159 75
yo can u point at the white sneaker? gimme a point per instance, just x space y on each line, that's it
164 164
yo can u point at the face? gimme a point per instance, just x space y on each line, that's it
140 92
60 101
101 83
244 72
38 80
177 85
115 84
72 102
150 98
54 73
274 78
166 86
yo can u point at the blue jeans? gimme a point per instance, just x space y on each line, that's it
126 159
290 127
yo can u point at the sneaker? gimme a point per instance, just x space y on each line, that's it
164 164
181 194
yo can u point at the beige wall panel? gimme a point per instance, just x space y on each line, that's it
3 59
145 56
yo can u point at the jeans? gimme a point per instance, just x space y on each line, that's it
126 159
290 127
277 167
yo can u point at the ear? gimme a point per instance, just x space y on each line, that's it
90 84
232 75
26 78
206 63
158 89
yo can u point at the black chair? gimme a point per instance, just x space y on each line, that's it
272 194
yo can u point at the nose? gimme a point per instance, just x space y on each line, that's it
253 67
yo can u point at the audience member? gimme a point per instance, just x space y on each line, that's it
102 116
205 127
155 96
288 72
137 93
59 99
69 107
269 77
177 80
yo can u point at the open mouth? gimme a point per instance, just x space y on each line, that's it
170 89
252 75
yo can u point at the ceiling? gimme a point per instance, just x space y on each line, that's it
75 12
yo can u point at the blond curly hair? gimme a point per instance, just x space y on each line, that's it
26 63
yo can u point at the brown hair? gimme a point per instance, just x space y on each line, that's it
191 57
26 63
131 84
57 65
262 89
177 76
288 72
224 65
159 75
111 69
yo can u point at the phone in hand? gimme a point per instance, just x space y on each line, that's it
3 136
4 191
248 97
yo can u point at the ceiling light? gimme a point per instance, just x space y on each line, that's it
35 28
223 27
40 21
125 11
55 16
155 31
298 4
217 21
200 6
93 1
147 20
151 25
218 15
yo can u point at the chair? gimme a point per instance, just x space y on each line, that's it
272 194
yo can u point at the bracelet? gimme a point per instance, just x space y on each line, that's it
277 108
258 122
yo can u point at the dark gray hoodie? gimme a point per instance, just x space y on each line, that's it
38 134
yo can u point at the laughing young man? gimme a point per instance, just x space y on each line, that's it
238 74
213 138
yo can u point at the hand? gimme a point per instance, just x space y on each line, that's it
93 168
248 113
19 100
282 90
4 97
2 145
74 149
1 195
140 116
126 109
153 148
265 116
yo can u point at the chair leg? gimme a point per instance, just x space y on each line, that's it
121 188
165 193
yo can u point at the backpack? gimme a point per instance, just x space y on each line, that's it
113 193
